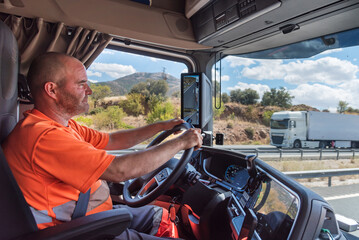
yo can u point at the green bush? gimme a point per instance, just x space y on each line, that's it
249 132
109 118
218 112
230 125
95 111
161 112
133 105
154 101
84 120
266 117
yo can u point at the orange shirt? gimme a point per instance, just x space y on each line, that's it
53 163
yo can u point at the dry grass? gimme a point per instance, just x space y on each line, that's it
306 165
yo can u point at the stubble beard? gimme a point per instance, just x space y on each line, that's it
71 105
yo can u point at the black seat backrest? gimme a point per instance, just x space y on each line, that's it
16 218
8 81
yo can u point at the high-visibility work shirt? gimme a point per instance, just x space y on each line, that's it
53 163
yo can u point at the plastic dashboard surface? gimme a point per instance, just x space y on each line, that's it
267 206
267 212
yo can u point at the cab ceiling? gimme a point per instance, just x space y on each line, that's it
164 23
163 26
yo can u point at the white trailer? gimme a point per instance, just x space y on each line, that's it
314 129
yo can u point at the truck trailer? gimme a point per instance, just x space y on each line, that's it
310 129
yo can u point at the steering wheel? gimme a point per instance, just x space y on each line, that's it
150 186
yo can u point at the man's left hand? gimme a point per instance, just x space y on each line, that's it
167 125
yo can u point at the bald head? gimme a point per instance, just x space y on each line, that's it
49 67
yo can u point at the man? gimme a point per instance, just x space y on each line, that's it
56 158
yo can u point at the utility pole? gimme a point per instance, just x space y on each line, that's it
164 73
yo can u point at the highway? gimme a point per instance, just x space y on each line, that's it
343 199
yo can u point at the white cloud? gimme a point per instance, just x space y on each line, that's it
91 73
107 51
114 70
331 51
267 70
324 97
92 81
260 88
224 78
237 61
185 70
154 59
326 70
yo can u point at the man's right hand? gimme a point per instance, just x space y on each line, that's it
191 138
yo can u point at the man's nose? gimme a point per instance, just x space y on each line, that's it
88 90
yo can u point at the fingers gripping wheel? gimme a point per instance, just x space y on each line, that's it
145 189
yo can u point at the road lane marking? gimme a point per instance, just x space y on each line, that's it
342 196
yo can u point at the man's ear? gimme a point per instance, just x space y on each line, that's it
51 89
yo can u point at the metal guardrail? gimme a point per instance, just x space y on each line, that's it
277 153
302 153
323 173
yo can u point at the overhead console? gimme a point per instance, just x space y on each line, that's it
241 26
223 16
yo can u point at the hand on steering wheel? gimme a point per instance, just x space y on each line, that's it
150 186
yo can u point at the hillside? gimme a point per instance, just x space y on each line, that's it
240 124
123 85
248 124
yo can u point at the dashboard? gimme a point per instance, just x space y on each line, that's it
259 202
266 212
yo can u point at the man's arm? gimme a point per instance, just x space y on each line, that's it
128 138
139 163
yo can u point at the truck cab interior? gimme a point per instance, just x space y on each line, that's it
218 194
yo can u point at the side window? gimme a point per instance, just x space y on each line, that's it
131 90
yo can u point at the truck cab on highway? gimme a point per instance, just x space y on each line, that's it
222 46
287 129
309 129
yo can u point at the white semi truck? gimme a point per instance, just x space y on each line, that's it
296 129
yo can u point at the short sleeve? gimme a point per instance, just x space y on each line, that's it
97 139
59 154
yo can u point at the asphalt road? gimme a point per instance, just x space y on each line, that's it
343 199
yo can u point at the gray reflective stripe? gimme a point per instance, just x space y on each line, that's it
64 212
157 218
41 216
99 196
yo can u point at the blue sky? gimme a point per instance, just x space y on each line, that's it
320 81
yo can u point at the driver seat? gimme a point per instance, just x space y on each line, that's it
16 219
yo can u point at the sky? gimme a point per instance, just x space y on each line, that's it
320 81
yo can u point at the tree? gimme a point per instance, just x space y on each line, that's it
99 92
249 96
246 97
342 106
151 87
235 95
225 98
280 97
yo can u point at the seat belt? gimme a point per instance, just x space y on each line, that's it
81 205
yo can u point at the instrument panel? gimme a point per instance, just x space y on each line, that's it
236 175
267 212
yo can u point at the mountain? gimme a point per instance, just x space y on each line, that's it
123 85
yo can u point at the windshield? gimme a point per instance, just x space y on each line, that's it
279 124
318 75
